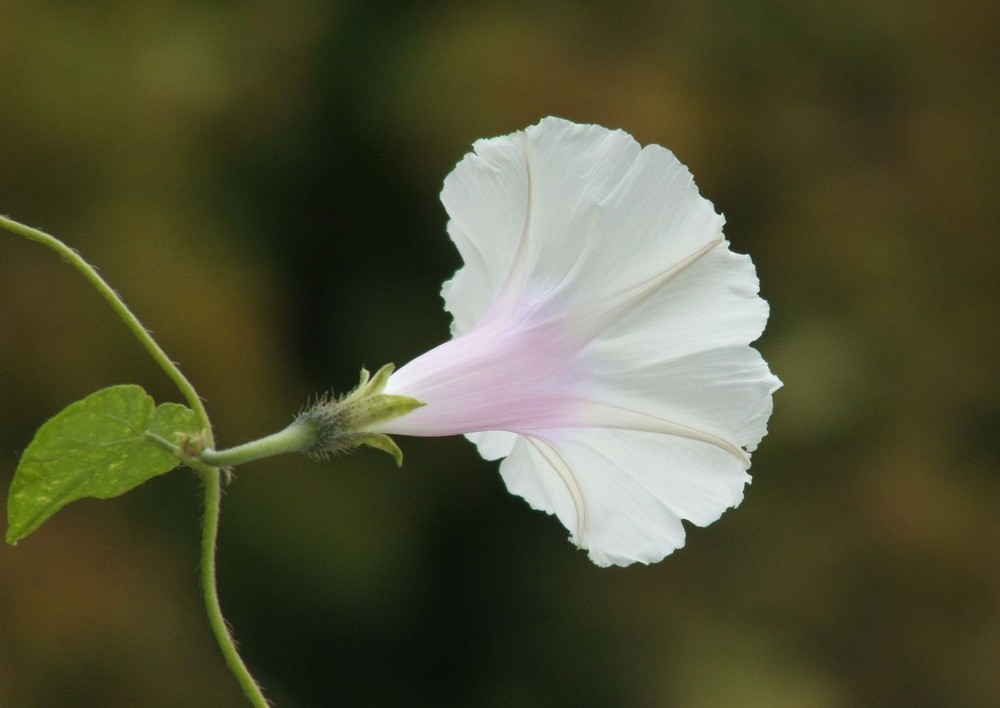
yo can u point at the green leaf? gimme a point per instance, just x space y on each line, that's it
96 447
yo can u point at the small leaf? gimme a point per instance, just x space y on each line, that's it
96 447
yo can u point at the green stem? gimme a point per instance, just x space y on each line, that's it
210 532
131 321
300 436
211 479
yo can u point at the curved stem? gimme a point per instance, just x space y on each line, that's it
300 436
210 532
210 477
131 321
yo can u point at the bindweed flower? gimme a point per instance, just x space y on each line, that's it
601 339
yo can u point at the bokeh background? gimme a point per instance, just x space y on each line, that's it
260 181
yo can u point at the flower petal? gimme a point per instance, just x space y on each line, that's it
682 354
635 488
725 393
486 197
712 303
493 444
603 237
568 213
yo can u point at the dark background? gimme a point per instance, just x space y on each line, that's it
259 180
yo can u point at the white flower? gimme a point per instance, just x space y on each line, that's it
600 338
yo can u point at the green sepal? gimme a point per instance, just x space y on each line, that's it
382 442
342 424
367 405
98 447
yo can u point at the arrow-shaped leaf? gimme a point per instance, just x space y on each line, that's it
96 447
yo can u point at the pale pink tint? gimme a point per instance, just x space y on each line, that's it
502 375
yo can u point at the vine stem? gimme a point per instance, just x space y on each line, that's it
210 531
210 477
118 305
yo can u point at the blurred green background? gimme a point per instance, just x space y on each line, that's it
260 180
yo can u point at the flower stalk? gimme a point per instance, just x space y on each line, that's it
297 437
331 426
